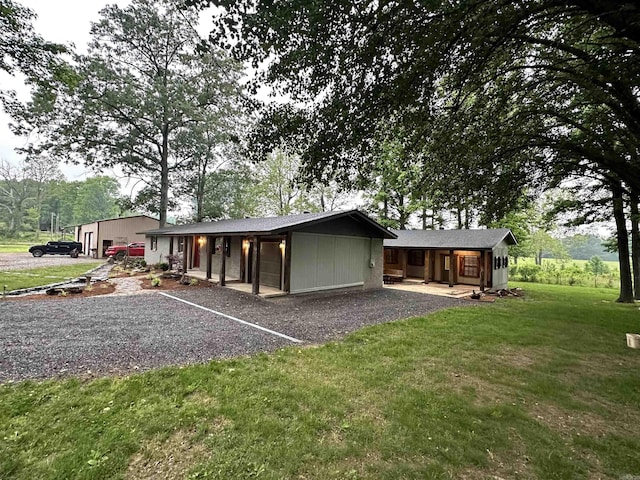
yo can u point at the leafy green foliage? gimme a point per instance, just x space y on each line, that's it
28 203
23 50
391 187
96 199
583 247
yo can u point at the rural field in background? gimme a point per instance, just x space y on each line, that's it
566 272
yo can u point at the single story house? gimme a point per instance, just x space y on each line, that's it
292 254
97 236
472 257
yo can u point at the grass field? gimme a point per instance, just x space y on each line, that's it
17 279
613 265
536 387
14 247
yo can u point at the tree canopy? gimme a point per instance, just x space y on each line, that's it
492 99
146 98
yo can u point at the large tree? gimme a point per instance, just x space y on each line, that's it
143 92
497 96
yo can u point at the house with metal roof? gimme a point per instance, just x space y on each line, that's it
289 254
472 257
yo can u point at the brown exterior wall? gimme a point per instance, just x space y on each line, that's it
117 231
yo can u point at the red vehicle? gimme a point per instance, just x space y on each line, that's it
135 249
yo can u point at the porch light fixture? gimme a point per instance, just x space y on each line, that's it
202 241
245 245
282 245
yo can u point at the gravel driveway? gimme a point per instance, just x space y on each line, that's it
23 261
103 334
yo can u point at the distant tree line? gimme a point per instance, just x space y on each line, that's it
33 200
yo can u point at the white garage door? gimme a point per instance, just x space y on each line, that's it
322 262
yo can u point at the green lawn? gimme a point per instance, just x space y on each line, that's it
15 247
541 387
17 279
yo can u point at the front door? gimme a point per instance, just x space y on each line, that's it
445 262
196 252
270 264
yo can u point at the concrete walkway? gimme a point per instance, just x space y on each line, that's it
433 288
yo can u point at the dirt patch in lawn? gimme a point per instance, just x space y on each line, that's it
568 422
168 459
521 357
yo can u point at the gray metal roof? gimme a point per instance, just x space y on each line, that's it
451 239
270 225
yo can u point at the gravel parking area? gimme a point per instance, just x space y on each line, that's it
24 261
118 335
317 318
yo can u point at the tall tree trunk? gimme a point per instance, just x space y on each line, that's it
626 287
635 244
164 177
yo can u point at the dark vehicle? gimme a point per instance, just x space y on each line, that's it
57 248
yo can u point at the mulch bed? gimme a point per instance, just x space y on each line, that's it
173 284
97 288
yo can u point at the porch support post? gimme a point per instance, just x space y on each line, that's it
483 272
255 270
427 257
287 263
191 247
210 244
223 262
185 252
451 268
405 254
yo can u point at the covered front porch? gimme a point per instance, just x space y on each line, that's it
442 266
255 264
235 284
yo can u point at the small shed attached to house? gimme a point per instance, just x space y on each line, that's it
289 254
472 257
97 236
